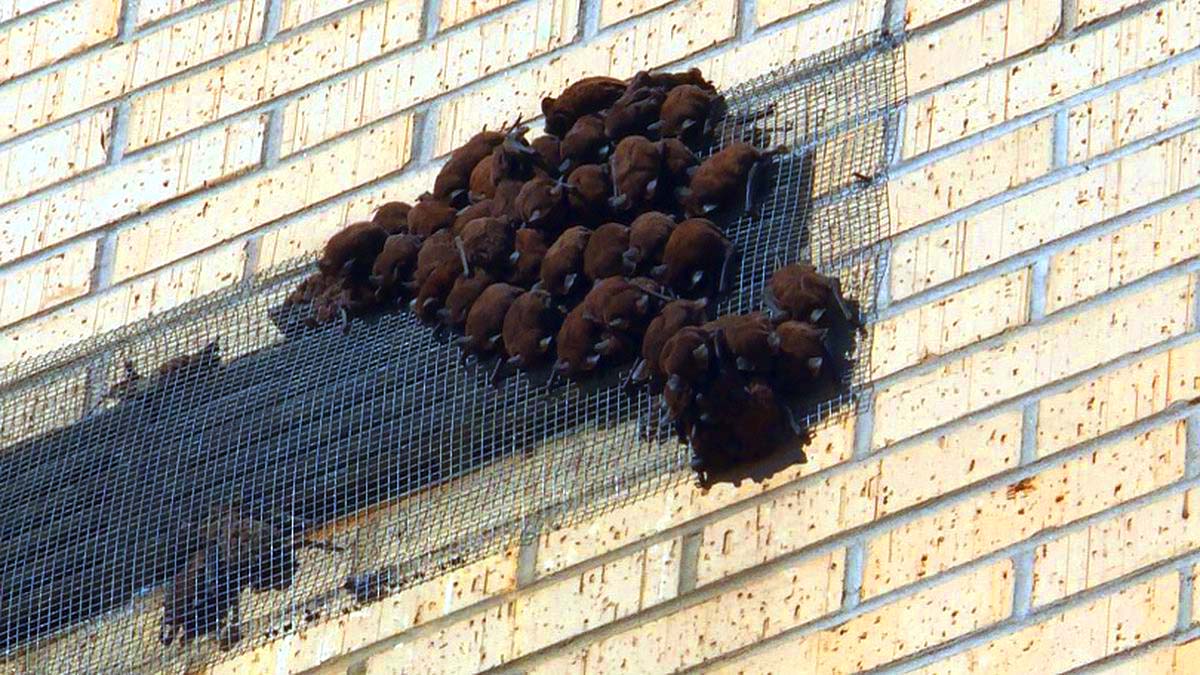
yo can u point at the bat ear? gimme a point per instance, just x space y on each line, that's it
817 314
544 343
547 105
591 361
701 352
814 365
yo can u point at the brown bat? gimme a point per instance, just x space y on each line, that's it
576 344
341 300
433 291
673 317
635 167
515 158
394 266
697 254
588 192
635 112
751 340
798 291
666 80
525 262
687 112
648 236
679 163
463 294
724 177
480 209
542 204
801 356
584 97
438 249
487 243
485 321
454 178
351 251
529 328
603 256
392 217
429 215
563 263
505 201
309 288
585 143
481 186
550 148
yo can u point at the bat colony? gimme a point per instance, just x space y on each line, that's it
587 248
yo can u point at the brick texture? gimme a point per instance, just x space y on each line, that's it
1036 350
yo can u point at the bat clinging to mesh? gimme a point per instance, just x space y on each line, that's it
438 249
515 158
588 191
351 251
392 217
563 264
429 215
673 317
341 300
308 288
622 305
481 186
751 340
463 294
576 344
725 177
635 167
668 81
584 143
584 97
433 291
798 291
542 203
202 598
550 148
505 201
487 243
697 255
454 178
635 112
525 262
679 163
485 322
648 235
480 209
687 111
801 359
187 365
394 266
604 255
529 328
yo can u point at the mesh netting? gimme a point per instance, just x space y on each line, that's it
380 441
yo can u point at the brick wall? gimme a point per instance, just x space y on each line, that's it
1022 493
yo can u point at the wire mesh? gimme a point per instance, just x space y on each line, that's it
380 441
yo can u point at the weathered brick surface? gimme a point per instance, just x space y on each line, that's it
770 11
1168 659
40 284
917 14
1078 636
149 11
66 152
55 35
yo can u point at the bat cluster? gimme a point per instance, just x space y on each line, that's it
231 551
588 247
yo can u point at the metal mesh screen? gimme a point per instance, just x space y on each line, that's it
380 441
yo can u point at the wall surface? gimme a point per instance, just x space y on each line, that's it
1022 496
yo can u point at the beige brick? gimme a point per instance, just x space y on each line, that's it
11 9
52 36
1078 636
453 12
140 183
832 443
917 14
978 40
149 11
306 57
36 286
124 304
476 644
909 625
52 156
756 611
1068 68
611 53
1115 547
1118 398
959 180
770 11
1133 112
1168 659
1087 11
1032 359
1112 260
853 498
1059 495
108 73
294 13
241 206
960 319
1090 60
1050 213
595 597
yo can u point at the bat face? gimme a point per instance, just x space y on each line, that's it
586 96
686 111
635 167
563 264
798 291
429 216
392 217
801 360
751 340
604 255
351 251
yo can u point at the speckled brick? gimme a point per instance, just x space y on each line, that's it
977 40
1115 547
1058 495
1166 658
111 72
57 34
49 157
44 283
11 9
1118 398
1078 636
966 317
1042 216
149 11
1112 260
1087 11
242 205
469 646
767 12
453 12
853 498
917 14
911 624
950 183
757 610
141 183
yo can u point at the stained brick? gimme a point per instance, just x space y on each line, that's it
54 35
454 12
1045 215
917 14
137 185
106 74
920 621
1078 636
955 321
1118 398
11 9
757 610
978 40
1115 547
1167 659
47 158
950 183
260 198
770 11
1090 10
1003 516
853 498
149 11
45 283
